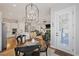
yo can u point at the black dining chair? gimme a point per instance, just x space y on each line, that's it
20 38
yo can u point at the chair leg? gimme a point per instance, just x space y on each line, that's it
46 53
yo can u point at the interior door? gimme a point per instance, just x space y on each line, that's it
64 30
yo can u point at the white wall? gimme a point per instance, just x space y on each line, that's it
53 39
0 33
0 37
77 30
21 27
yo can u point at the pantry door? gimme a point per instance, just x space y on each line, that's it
65 30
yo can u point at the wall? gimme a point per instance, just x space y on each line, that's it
21 27
77 30
0 33
0 38
53 39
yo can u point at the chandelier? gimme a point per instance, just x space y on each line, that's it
32 14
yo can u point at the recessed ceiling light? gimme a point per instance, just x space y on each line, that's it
14 5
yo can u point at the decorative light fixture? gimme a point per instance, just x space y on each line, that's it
32 14
14 5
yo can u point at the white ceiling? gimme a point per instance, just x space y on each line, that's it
17 11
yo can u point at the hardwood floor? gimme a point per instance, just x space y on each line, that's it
9 52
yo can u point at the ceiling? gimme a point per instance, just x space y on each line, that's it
14 11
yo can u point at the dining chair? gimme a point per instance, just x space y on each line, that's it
20 39
45 50
43 43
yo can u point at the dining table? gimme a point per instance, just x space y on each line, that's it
28 48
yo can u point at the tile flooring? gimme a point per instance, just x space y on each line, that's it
50 53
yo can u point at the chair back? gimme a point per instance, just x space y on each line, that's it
41 41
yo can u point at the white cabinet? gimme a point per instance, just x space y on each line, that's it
62 30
